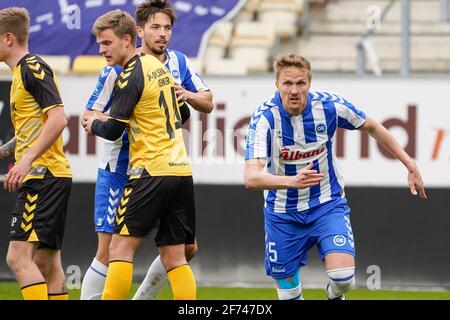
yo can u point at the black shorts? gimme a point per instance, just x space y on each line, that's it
163 204
40 211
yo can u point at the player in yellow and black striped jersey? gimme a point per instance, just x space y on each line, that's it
159 193
41 172
34 91
145 100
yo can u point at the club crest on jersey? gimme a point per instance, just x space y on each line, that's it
321 128
287 154
175 74
339 240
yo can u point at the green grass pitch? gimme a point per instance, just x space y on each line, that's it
10 291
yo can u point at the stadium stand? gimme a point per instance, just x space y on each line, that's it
88 64
253 42
249 42
219 41
283 14
341 24
248 12
60 64
226 67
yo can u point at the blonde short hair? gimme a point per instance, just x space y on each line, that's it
291 60
120 22
16 21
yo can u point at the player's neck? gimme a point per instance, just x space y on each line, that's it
130 54
161 57
15 56
295 112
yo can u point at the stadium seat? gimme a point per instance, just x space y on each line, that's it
252 5
248 12
219 41
226 67
88 64
283 14
59 64
253 42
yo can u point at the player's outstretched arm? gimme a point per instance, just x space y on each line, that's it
256 178
53 128
7 150
384 137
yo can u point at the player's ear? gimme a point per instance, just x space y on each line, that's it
140 32
127 39
9 38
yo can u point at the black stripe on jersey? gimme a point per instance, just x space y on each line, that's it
38 80
128 90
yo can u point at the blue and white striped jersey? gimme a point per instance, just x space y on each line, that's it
289 143
183 71
115 153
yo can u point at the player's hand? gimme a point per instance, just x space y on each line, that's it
306 178
15 176
90 113
87 122
415 182
182 93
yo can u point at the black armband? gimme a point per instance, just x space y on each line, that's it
109 130
185 113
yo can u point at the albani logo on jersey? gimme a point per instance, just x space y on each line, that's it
288 154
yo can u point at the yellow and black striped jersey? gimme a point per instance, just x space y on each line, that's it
34 91
144 97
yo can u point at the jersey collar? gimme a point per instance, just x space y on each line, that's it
166 62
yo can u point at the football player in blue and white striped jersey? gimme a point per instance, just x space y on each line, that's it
155 19
289 155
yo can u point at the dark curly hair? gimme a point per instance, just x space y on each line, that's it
149 8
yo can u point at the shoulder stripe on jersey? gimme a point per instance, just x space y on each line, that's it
102 78
260 111
332 97
327 96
